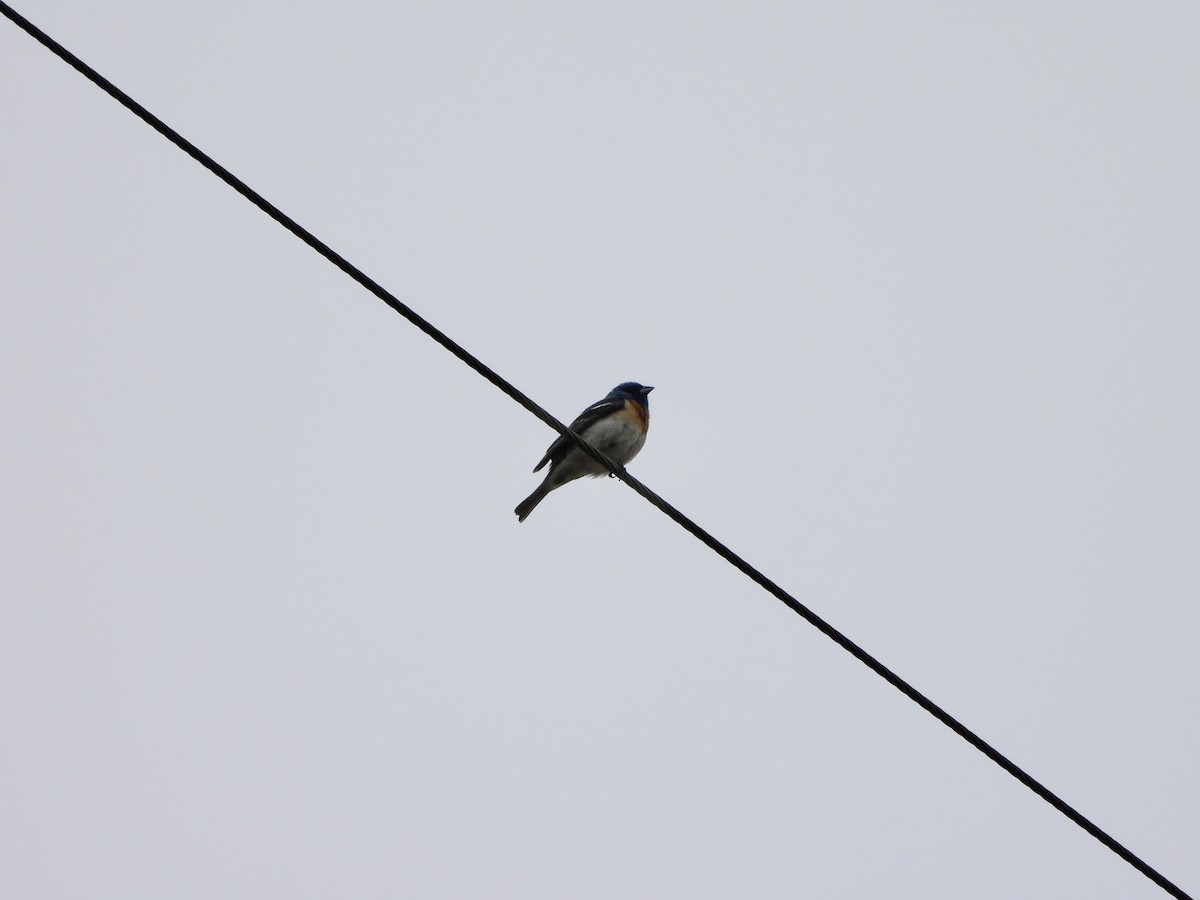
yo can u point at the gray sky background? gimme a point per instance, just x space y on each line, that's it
917 284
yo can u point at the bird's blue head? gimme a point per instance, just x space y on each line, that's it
631 390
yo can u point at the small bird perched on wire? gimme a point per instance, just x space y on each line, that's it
616 426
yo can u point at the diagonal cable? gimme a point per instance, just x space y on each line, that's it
521 398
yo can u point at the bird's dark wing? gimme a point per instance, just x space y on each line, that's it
583 421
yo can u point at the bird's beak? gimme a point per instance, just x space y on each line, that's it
647 390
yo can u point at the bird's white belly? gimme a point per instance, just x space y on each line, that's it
617 437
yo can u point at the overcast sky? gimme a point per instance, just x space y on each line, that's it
919 288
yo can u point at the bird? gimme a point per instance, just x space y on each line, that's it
616 426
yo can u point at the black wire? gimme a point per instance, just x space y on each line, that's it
699 533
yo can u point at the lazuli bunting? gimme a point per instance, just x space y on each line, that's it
616 426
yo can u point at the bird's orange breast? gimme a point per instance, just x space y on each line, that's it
638 413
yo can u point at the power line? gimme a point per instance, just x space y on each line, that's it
695 530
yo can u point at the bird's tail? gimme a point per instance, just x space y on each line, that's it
525 507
